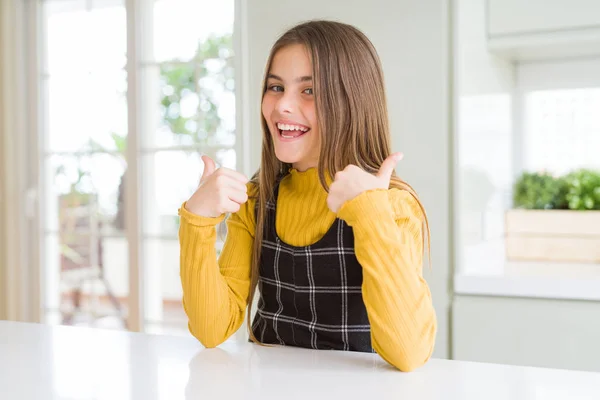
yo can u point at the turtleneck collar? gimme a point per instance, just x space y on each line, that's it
308 179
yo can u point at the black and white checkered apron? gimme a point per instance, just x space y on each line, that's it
311 296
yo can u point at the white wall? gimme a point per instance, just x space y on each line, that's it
412 37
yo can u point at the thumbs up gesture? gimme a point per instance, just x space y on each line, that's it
220 191
353 181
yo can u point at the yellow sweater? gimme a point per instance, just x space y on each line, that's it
387 227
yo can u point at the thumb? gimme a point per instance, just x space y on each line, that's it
209 167
387 167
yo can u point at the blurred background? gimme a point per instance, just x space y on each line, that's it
107 105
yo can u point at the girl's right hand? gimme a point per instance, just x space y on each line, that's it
220 191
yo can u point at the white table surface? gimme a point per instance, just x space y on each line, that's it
43 362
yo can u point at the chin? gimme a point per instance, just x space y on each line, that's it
286 158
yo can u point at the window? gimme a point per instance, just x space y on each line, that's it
562 129
544 121
185 107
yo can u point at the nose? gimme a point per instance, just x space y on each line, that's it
286 103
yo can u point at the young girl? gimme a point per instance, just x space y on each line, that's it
328 233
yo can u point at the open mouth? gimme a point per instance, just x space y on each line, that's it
291 131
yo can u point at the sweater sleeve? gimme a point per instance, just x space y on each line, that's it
215 292
387 227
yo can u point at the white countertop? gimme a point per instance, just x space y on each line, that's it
43 362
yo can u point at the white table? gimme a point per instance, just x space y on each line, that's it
42 362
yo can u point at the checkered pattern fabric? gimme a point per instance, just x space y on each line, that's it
311 296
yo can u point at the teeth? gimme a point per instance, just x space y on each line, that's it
287 127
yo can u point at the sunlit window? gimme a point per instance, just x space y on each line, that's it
186 109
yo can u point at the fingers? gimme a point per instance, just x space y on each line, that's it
232 194
233 175
230 207
238 196
234 200
226 181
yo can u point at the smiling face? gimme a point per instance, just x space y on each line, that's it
288 107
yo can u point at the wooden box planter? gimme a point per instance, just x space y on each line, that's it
553 235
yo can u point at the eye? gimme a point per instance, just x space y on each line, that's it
276 88
308 91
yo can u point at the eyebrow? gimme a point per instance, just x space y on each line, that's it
306 78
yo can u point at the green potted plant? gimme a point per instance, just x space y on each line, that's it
583 190
540 191
555 218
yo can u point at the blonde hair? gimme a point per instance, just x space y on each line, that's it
351 114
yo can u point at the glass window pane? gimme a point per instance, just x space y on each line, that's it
85 263
84 85
78 38
193 103
562 130
86 280
85 193
163 307
87 111
180 25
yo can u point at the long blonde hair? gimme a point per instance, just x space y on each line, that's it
351 115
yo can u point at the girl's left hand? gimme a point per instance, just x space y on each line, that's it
353 181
